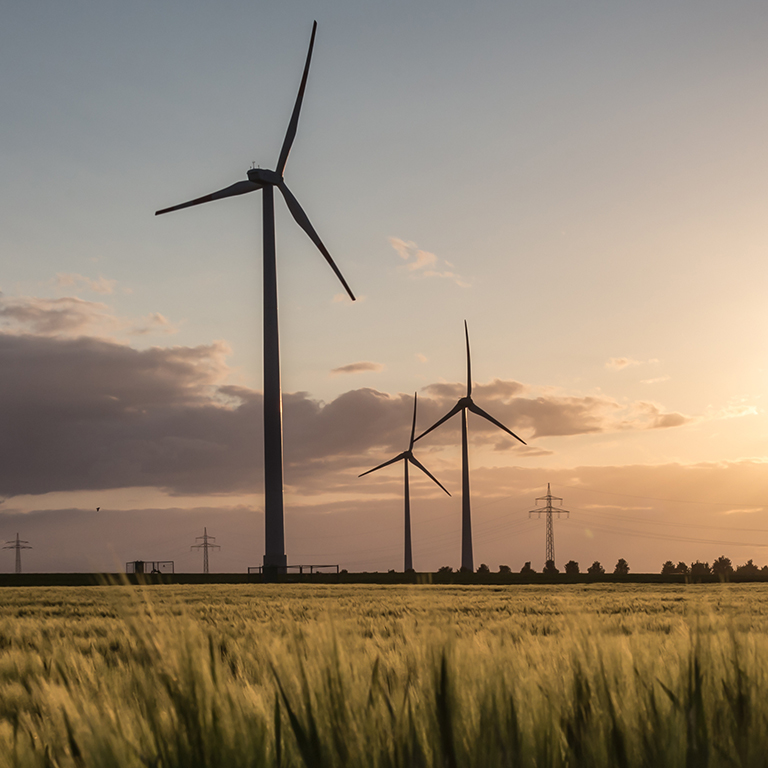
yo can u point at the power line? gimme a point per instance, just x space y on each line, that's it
18 545
549 510
657 498
205 546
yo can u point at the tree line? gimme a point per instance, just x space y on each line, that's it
722 567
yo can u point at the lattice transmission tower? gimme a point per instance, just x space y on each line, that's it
549 510
205 546
18 545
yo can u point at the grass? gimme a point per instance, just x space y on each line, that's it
276 675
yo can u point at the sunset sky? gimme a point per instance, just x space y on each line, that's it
585 183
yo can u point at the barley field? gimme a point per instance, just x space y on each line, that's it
390 676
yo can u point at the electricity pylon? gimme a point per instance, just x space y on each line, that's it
18 545
205 546
549 510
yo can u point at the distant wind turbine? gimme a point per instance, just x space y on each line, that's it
405 457
266 180
467 404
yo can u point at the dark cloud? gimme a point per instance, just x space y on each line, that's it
85 413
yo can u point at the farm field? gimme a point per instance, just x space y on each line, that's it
294 675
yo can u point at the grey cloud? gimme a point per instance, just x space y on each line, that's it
84 413
51 316
361 367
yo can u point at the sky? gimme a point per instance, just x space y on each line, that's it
584 183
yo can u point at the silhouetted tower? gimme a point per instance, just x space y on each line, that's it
205 546
549 510
18 545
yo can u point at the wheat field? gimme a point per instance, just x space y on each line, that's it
349 675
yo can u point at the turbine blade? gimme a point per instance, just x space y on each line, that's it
381 466
303 221
469 363
240 188
427 473
456 408
413 426
290 134
480 412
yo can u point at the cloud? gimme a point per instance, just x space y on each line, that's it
85 413
617 363
99 285
657 380
423 263
421 358
735 411
71 316
364 366
545 412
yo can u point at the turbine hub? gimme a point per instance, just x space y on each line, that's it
264 176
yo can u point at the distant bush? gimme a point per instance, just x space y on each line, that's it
527 568
700 569
596 569
445 569
483 569
572 568
667 568
622 567
549 568
748 569
505 569
722 567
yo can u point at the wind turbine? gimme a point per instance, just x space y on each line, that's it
405 457
467 404
266 180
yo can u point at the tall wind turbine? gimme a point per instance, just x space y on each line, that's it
405 457
266 180
463 405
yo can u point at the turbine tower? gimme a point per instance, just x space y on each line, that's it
205 546
549 510
18 545
463 405
405 457
259 178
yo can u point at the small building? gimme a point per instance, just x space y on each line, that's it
149 566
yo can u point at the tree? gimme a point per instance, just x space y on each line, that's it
483 569
700 569
572 567
722 567
550 569
681 567
527 568
596 569
505 569
667 568
749 569
622 567
445 569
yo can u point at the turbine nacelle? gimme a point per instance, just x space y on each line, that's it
264 176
